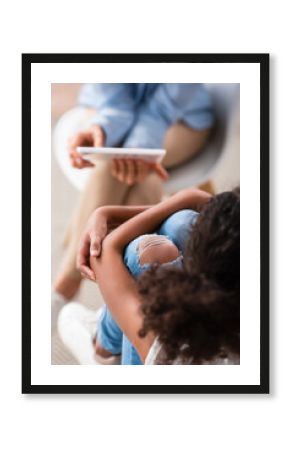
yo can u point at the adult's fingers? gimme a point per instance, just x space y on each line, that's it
98 136
159 169
121 170
130 171
77 160
114 168
142 170
83 138
85 163
80 163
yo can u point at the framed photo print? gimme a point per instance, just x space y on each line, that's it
145 223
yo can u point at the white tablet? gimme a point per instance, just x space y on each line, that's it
94 154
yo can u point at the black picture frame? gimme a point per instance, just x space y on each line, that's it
263 61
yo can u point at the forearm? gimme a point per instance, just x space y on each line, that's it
116 215
114 104
149 219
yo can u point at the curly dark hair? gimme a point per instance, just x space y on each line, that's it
195 311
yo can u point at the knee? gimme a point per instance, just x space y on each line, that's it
148 193
157 249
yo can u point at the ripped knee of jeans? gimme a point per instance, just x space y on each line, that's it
157 249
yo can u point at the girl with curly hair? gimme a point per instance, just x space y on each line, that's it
179 302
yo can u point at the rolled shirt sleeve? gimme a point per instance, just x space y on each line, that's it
115 107
190 103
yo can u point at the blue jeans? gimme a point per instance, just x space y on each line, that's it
177 228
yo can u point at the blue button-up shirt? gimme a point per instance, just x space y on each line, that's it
138 114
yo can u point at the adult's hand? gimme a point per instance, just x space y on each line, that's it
91 242
131 171
93 137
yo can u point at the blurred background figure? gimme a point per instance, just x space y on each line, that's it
178 117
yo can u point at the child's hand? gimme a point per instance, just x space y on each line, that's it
91 242
93 137
131 171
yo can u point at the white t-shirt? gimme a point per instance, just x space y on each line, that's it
156 349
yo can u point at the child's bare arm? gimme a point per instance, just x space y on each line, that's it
116 215
135 220
150 219
121 295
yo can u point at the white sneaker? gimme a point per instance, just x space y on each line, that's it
77 327
57 303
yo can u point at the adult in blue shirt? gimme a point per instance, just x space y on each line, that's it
176 116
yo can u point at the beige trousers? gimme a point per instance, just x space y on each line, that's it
181 143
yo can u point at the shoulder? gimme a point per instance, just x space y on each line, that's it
153 353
